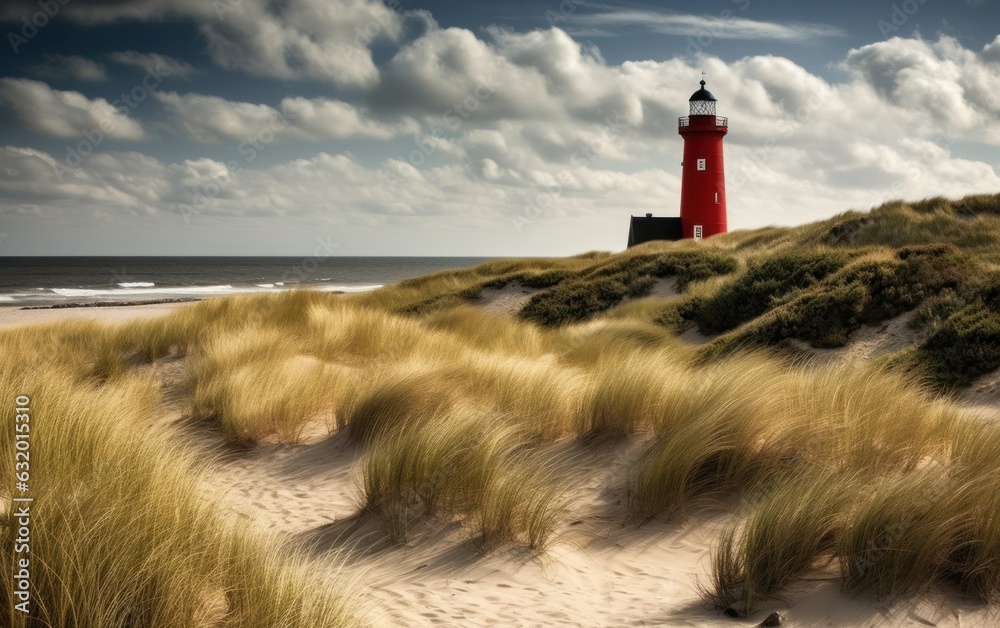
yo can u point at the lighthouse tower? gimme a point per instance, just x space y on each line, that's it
703 183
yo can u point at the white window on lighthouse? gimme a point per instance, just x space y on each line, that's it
701 164
697 232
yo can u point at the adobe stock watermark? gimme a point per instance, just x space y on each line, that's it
365 35
887 540
124 104
550 194
225 6
452 121
759 159
899 16
707 35
205 194
31 25
302 273
927 156
21 515
567 8
325 247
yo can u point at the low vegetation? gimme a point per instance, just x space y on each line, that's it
606 284
120 535
458 413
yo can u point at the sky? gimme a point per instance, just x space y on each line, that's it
500 128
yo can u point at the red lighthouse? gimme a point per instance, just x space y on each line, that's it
703 183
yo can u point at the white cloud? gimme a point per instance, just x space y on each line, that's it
122 184
536 120
213 119
897 88
65 114
604 23
70 67
303 38
162 65
335 189
991 53
457 79
327 40
941 85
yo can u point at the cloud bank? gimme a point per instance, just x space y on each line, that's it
505 130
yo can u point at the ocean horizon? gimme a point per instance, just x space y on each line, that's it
31 281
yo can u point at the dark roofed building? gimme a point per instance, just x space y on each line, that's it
645 228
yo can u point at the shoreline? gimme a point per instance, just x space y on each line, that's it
79 304
13 316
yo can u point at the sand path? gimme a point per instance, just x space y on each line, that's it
13 316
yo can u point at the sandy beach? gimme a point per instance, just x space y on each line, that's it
15 316
603 568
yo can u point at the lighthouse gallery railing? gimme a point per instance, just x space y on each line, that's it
719 121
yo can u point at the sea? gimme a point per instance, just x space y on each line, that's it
34 281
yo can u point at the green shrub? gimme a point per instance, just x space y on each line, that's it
672 318
964 346
764 283
936 309
575 301
528 279
631 276
866 292
545 279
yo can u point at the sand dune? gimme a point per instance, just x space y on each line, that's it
604 569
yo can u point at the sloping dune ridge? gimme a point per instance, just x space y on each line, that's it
801 421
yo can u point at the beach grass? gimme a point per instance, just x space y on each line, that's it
119 533
457 413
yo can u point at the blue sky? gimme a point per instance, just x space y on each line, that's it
253 127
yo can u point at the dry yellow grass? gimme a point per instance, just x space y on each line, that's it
466 463
457 411
119 534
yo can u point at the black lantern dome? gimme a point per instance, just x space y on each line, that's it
702 102
702 94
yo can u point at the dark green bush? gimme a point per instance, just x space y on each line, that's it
632 276
967 343
529 279
691 266
575 301
687 266
641 286
672 318
545 279
936 309
867 292
761 287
